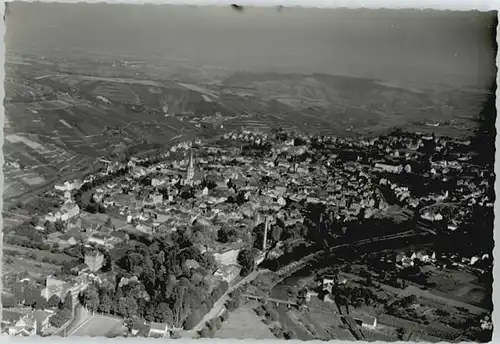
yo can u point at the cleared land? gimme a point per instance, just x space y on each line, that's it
243 323
100 326
35 268
60 258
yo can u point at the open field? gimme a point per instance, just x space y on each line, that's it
60 258
100 326
458 285
243 323
36 268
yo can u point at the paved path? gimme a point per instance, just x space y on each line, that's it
81 317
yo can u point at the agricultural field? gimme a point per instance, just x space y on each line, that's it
243 323
458 285
40 255
37 269
100 326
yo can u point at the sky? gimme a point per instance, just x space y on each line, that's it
394 45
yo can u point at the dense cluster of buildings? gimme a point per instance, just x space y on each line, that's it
217 186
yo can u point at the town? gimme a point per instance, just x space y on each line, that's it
207 235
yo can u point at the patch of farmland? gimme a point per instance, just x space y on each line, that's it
9 222
10 189
100 326
65 123
150 99
40 254
33 180
206 98
13 89
118 92
14 138
154 90
35 268
200 89
243 323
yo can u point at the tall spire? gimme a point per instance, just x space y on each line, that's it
190 169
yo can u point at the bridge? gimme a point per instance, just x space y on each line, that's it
270 299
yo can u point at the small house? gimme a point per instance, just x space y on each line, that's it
228 272
158 330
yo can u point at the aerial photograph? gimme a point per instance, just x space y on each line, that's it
229 172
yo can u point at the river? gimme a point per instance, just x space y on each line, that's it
342 255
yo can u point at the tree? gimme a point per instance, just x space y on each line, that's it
31 295
246 258
233 303
18 290
132 306
180 304
217 324
68 301
193 319
127 306
273 315
59 226
149 312
223 235
106 303
90 298
55 248
369 281
50 227
41 303
60 318
54 301
129 323
108 263
402 333
101 209
206 332
92 208
289 334
164 313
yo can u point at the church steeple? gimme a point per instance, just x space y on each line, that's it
190 169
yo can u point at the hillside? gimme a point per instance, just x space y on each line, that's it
60 116
336 103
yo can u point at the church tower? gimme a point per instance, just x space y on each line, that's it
190 169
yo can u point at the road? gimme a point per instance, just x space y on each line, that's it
219 305
81 315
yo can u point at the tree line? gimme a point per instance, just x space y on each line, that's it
166 289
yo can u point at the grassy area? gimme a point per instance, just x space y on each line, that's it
35 268
40 255
243 323
457 284
101 326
